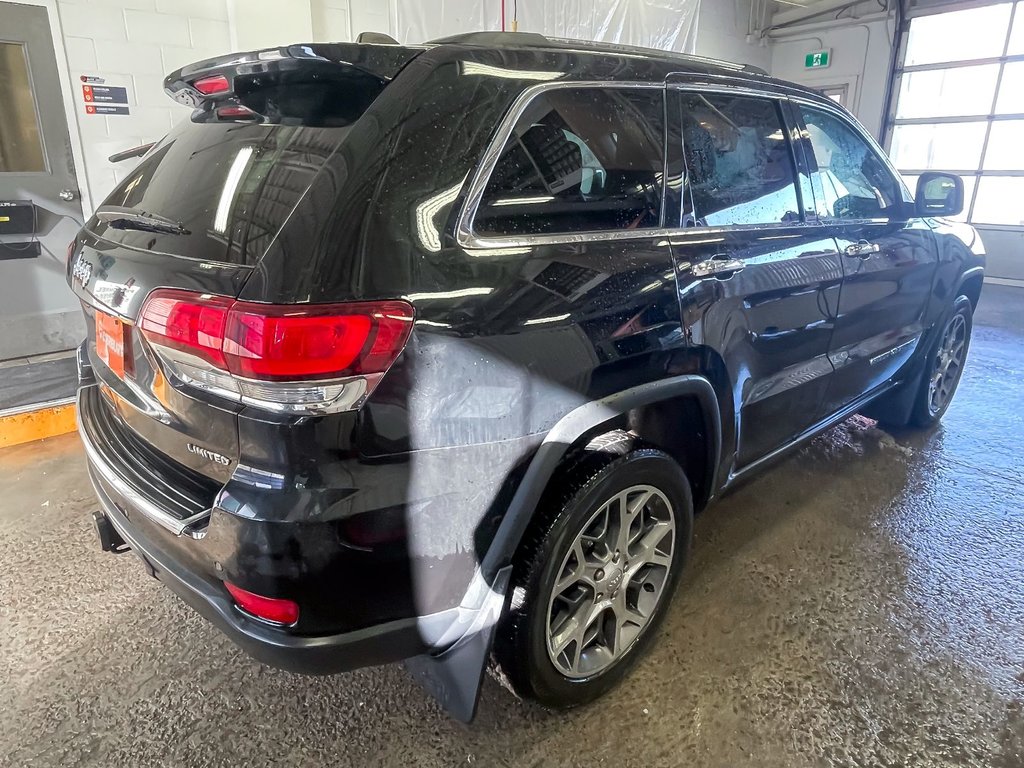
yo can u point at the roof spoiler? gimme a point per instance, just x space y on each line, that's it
314 84
377 38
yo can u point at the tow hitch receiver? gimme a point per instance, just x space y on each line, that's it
110 539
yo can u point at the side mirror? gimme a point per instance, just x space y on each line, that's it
939 194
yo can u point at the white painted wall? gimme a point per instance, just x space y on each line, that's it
722 30
1005 248
260 23
269 23
134 43
861 49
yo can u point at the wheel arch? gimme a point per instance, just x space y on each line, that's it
971 282
644 408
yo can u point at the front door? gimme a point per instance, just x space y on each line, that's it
40 207
759 286
889 259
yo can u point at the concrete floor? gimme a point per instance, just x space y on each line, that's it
862 604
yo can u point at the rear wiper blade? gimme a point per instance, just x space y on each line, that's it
128 154
128 218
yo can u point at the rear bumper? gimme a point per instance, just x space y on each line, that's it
359 606
327 654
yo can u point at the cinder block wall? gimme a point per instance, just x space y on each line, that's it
134 43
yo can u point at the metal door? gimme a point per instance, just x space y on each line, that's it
40 206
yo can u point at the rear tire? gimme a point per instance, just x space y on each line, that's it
595 575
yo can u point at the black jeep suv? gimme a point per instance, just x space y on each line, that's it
432 352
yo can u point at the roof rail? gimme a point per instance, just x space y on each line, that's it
527 39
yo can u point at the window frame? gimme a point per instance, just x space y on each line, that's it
902 212
466 235
990 118
781 105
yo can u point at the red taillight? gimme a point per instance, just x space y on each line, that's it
279 342
235 113
273 609
290 343
212 84
188 322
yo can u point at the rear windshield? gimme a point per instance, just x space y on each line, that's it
230 186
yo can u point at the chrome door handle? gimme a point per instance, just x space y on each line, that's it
721 266
862 249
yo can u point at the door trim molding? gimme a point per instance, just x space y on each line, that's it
67 97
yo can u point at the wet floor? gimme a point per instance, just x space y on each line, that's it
862 604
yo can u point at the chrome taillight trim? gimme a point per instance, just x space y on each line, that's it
352 391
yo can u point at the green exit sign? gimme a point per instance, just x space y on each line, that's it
818 59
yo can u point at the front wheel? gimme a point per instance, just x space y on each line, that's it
944 366
596 573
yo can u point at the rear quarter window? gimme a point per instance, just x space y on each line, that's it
579 160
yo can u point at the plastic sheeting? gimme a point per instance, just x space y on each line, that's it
666 24
416 21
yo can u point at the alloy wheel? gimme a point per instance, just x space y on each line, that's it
611 581
949 361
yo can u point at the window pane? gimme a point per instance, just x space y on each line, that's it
976 33
969 182
999 200
584 159
855 180
954 146
1017 36
21 149
948 92
739 163
1005 146
1011 89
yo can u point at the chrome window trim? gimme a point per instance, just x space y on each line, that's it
467 238
464 234
726 88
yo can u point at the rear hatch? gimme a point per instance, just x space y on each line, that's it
196 216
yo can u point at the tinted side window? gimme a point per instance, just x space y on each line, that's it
740 168
579 159
856 183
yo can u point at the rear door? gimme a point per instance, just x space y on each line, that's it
40 207
579 184
758 285
889 259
